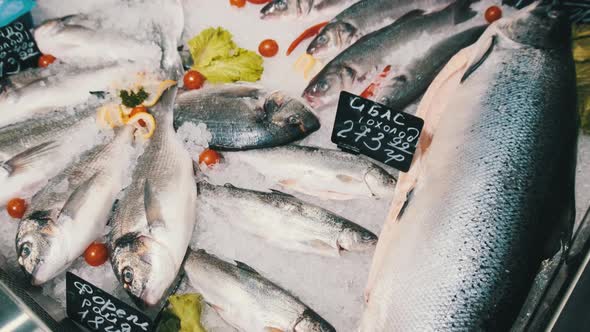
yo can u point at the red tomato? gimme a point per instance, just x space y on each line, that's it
139 109
237 3
45 60
96 254
493 13
16 207
258 2
193 80
268 48
209 157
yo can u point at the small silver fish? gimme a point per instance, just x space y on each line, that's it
242 117
300 8
154 221
72 210
286 221
324 173
248 301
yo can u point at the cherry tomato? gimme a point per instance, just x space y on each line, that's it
96 254
16 207
139 109
493 13
193 80
209 157
237 3
45 60
258 2
268 48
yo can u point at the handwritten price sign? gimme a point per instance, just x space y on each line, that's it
363 126
99 311
18 50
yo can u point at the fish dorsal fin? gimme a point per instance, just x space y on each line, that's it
246 267
278 192
480 57
408 16
26 158
153 211
229 185
78 198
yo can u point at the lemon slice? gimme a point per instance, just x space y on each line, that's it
141 119
305 63
154 96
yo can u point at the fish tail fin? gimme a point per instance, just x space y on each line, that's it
26 158
462 10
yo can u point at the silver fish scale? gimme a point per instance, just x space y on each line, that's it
478 223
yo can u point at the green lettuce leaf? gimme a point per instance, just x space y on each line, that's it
210 44
219 59
188 308
245 66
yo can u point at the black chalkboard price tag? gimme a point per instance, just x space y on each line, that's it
18 50
369 128
99 311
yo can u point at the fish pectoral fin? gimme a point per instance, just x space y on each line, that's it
288 182
246 267
409 15
28 157
78 198
347 178
323 246
153 210
278 192
480 57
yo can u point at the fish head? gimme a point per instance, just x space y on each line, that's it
538 25
326 86
380 183
279 8
143 267
41 255
290 114
333 37
356 239
310 321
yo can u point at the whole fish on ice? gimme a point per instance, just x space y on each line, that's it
68 39
34 150
300 8
362 18
490 194
153 222
328 174
410 52
71 88
286 221
242 117
248 301
72 210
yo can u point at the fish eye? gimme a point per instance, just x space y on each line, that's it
127 275
322 39
25 250
293 119
323 86
553 14
281 5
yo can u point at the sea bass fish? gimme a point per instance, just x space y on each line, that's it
242 117
362 18
248 301
300 8
47 94
72 210
286 221
328 174
431 39
490 194
33 151
153 222
68 40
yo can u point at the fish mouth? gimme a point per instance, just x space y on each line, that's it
311 100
